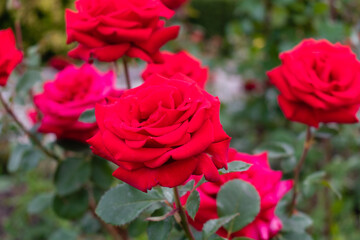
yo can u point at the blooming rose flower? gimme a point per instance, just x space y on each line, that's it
108 29
268 185
318 82
161 133
73 91
173 4
181 62
9 55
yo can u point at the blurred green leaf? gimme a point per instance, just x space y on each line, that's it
88 116
101 172
63 234
71 175
40 202
71 206
27 81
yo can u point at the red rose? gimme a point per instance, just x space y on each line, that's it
73 91
318 82
161 133
60 63
181 62
268 185
173 4
9 55
108 29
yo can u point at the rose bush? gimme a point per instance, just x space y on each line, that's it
73 91
10 57
161 133
318 82
268 185
108 29
181 62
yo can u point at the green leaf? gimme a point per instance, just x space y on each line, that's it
296 223
33 58
63 234
71 175
15 158
122 204
193 203
238 196
168 194
23 157
71 206
211 226
39 203
88 116
101 172
27 81
159 230
187 187
137 228
236 166
89 224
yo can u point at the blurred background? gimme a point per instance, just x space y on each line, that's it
239 40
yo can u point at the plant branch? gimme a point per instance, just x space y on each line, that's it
297 170
127 76
27 132
184 221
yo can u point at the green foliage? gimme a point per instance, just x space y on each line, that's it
72 206
211 226
122 204
193 203
71 175
159 230
238 196
88 116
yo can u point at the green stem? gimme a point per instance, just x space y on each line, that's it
297 170
35 140
127 76
184 221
